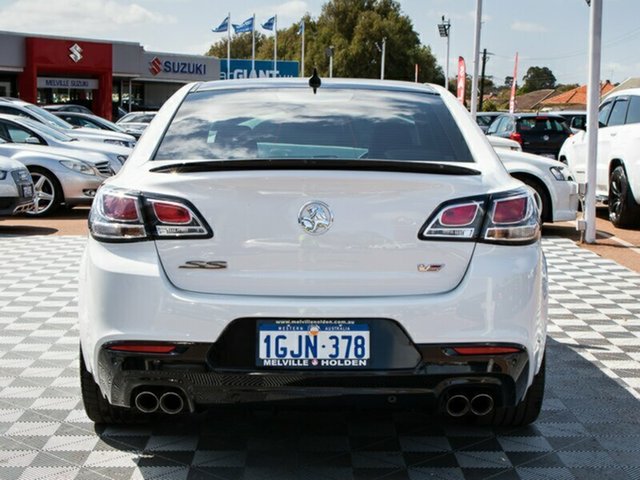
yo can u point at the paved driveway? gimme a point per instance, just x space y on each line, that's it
589 427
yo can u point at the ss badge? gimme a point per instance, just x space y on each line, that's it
211 265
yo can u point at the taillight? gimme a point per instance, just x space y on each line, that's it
141 348
124 216
513 219
484 350
459 215
457 220
508 217
172 213
516 137
121 208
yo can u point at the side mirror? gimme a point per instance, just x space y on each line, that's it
32 141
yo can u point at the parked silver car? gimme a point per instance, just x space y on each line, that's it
66 173
26 131
13 106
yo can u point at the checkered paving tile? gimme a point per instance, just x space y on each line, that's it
589 427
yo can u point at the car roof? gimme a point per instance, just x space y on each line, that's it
622 93
256 83
538 114
13 100
566 112
76 114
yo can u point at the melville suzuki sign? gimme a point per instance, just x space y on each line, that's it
70 83
180 67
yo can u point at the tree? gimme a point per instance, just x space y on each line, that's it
508 81
353 27
538 78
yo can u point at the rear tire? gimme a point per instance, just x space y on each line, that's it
97 408
523 413
624 211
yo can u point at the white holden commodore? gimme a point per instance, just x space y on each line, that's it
272 242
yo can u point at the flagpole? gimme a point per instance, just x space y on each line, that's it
302 59
229 47
253 47
275 45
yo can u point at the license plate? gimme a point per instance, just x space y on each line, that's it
548 155
27 191
313 344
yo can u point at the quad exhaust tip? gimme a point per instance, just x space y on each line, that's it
171 403
481 404
457 405
147 402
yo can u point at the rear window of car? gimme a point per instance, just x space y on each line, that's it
542 125
277 123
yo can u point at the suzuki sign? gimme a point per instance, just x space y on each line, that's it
156 66
187 68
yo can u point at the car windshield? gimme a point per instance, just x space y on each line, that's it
46 130
280 123
49 117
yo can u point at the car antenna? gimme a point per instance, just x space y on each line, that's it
314 81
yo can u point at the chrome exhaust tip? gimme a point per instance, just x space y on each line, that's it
457 405
147 402
171 403
482 404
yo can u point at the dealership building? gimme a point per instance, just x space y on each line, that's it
99 74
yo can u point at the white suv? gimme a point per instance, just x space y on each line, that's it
269 242
618 164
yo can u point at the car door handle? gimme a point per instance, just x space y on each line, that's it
613 134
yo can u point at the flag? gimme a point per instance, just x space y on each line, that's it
268 25
462 79
301 29
223 27
246 26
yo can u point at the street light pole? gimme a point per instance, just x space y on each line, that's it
593 98
444 29
329 53
476 60
331 63
384 52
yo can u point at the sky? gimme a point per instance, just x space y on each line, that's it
551 33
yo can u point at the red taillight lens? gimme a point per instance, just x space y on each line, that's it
171 213
508 211
485 350
516 137
120 208
459 215
142 348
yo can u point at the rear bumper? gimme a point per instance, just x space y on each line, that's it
566 202
437 375
125 296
